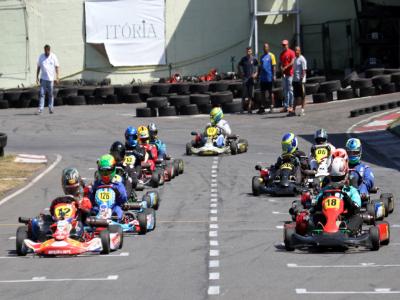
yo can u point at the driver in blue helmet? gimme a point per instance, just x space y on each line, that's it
362 172
132 146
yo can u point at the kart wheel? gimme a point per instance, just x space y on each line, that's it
105 241
255 185
189 149
156 200
388 200
234 147
22 234
287 237
374 238
150 211
243 145
155 179
117 229
170 171
142 218
162 178
181 166
176 167
384 228
371 209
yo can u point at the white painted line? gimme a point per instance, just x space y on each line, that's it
348 132
12 238
214 184
213 276
375 291
215 166
13 178
272 200
213 290
44 279
214 243
214 211
213 180
214 175
92 169
213 233
279 227
213 219
278 213
361 265
124 254
213 264
213 195
395 226
30 160
214 171
36 179
31 156
214 205
214 200
213 226
214 253
214 190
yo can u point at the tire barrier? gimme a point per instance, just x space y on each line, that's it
374 108
3 143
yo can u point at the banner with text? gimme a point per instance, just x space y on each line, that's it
133 31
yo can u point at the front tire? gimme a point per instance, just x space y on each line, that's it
287 237
142 218
255 185
22 234
374 238
189 149
105 241
234 147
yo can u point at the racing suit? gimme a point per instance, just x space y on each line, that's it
161 147
298 159
313 161
366 178
224 131
120 200
136 151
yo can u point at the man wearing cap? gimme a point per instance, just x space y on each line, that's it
286 61
48 67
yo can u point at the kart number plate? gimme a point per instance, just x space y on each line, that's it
64 210
212 131
129 160
105 195
331 203
287 166
320 154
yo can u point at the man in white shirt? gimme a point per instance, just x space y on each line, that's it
299 79
48 67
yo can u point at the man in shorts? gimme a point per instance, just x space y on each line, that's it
299 79
267 76
247 69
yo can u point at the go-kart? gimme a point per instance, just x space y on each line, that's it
138 217
285 181
62 234
331 231
204 145
379 208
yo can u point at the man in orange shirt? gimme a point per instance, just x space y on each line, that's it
286 61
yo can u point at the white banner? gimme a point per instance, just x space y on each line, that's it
133 31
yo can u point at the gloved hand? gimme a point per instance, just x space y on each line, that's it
258 167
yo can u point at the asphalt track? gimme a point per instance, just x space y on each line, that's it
173 261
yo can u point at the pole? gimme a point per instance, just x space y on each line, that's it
255 29
298 23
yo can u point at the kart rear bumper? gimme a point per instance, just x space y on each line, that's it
209 151
337 239
278 190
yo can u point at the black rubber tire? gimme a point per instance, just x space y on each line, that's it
144 96
33 94
151 211
374 238
22 234
395 78
221 98
143 112
86 91
361 83
236 87
390 201
311 88
218 86
368 110
181 88
122 90
1 94
374 72
179 101
4 104
199 88
117 229
156 102
104 91
159 89
354 113
367 91
384 106
112 99
319 98
389 88
381 80
205 108
76 100
233 107
255 186
141 89
190 109
105 241
386 242
287 237
316 79
3 140
391 71
131 98
155 178
59 101
348 79
167 111
99 100
142 218
12 95
278 94
200 99
67 91
345 94
329 86
181 166
188 149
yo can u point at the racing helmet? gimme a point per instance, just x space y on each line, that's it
338 170
143 133
354 150
117 150
340 152
106 168
153 130
131 136
289 143
320 136
71 181
216 115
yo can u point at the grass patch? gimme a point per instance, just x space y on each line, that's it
13 175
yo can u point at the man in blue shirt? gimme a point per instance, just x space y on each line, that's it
267 76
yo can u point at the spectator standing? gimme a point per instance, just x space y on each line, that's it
267 76
247 69
299 79
286 61
49 70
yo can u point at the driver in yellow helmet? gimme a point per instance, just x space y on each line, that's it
216 119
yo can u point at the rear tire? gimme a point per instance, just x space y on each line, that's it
176 167
374 238
388 200
181 166
155 179
22 234
105 241
287 237
117 229
189 149
234 147
386 242
255 185
142 218
150 211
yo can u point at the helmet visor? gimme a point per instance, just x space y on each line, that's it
320 140
353 152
